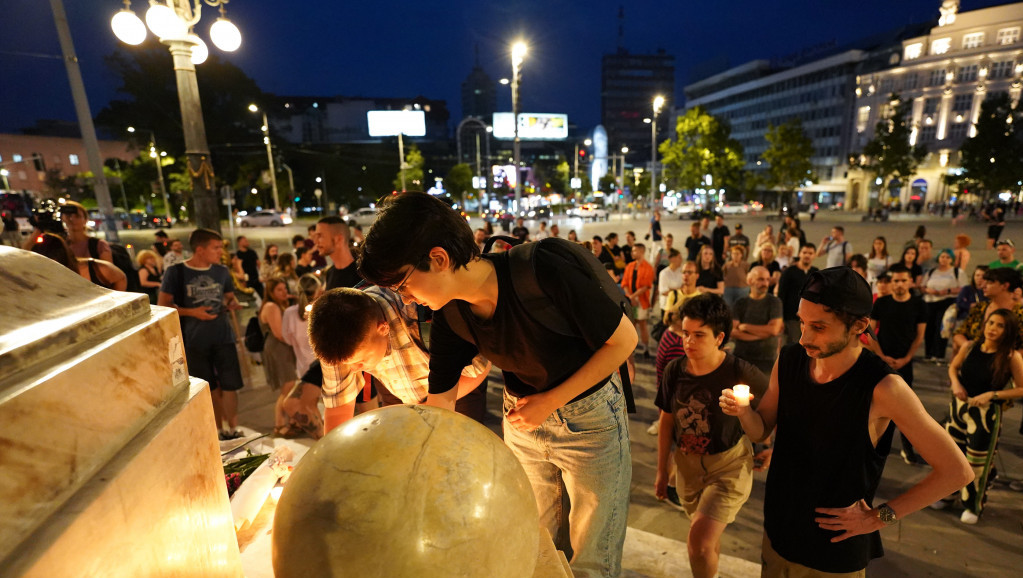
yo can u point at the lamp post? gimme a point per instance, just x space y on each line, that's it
658 103
157 157
269 155
518 53
621 182
172 21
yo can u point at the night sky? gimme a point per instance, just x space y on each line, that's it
384 48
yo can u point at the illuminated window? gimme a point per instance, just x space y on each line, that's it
941 45
16 158
914 51
967 73
1008 36
862 117
72 159
973 40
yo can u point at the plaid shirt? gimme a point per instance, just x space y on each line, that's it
404 370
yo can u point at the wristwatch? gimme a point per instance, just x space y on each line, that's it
886 514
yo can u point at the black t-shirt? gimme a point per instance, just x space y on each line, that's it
533 357
304 269
718 236
896 323
693 246
250 263
700 425
789 286
739 240
709 278
521 233
347 277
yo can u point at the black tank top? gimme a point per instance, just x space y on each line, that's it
977 375
823 458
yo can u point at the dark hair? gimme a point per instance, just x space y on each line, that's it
237 239
920 233
160 233
859 261
285 260
266 254
297 239
200 237
899 267
331 220
611 236
53 247
268 290
1001 369
301 251
308 285
1004 275
407 227
598 239
640 245
357 310
839 228
916 253
884 250
973 280
805 245
311 228
884 277
712 310
674 253
928 241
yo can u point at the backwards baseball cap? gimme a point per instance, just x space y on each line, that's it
840 289
738 226
1007 242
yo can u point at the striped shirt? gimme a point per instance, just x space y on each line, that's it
404 370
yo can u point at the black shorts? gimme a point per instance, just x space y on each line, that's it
218 365
994 231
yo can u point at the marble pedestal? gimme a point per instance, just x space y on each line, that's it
109 458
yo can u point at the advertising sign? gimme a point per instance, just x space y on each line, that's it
532 126
395 122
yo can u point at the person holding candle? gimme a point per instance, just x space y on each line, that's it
834 432
713 459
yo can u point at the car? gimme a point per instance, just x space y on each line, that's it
685 210
264 218
591 211
542 212
733 208
362 217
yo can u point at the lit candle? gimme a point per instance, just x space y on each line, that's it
741 393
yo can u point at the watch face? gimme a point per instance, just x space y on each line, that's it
886 514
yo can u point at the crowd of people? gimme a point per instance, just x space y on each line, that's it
762 360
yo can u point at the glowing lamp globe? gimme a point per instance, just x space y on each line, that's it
164 22
407 491
128 28
225 35
199 50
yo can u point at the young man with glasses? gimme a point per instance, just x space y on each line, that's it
564 411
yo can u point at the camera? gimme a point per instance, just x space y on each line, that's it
46 218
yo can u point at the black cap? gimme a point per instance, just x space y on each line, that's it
840 289
738 226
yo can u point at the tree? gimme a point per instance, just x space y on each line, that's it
458 182
993 158
413 171
889 154
703 147
788 157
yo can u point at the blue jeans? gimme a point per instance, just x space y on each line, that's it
582 449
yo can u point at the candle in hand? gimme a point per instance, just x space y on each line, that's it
741 394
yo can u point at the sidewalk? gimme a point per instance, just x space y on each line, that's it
927 543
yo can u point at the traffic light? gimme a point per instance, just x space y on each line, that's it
297 199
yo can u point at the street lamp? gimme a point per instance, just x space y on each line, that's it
4 173
518 53
658 103
172 22
158 159
269 155
621 181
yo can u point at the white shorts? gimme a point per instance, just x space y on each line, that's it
641 313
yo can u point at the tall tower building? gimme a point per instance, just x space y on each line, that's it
479 93
629 83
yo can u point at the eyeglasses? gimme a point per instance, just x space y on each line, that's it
400 288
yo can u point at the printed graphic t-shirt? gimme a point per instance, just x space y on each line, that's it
201 288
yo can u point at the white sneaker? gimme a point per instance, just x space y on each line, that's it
654 427
969 517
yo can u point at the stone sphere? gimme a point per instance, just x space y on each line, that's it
407 491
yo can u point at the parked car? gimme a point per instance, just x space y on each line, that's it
362 217
685 210
543 212
265 218
591 211
734 208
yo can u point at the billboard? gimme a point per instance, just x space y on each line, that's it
395 122
532 126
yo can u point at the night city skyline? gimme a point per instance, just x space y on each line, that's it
402 50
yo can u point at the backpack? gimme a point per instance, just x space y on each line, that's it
121 258
538 304
254 338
